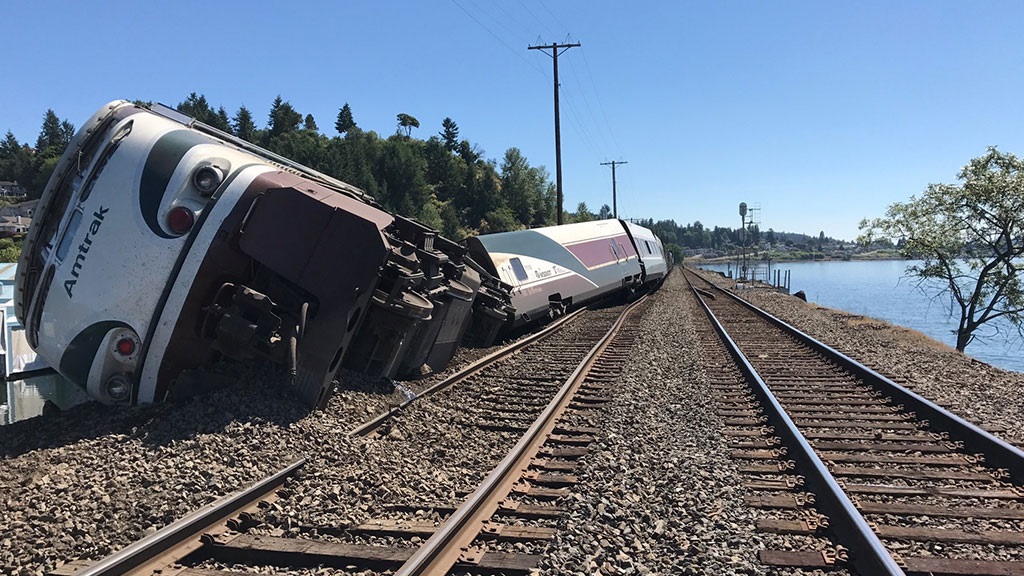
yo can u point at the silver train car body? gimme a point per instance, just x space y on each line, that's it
160 245
555 268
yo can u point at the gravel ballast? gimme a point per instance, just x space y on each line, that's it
657 495
972 389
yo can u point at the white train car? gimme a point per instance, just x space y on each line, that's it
557 267
653 259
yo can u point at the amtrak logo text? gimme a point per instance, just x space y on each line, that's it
83 249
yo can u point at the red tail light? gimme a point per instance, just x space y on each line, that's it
125 346
180 219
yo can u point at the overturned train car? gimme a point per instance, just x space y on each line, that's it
161 245
556 268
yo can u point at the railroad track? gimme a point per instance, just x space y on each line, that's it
501 526
873 476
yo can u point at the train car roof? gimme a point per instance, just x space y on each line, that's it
548 242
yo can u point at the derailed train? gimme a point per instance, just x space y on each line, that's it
161 245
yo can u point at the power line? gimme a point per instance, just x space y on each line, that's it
498 38
554 47
613 163
607 124
590 111
544 25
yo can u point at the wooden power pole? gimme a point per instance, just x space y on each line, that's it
613 163
556 49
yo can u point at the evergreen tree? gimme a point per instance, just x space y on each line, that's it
344 123
401 174
450 134
53 136
582 214
67 132
221 121
15 161
519 186
197 107
244 126
310 123
283 118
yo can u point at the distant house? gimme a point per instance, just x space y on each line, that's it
12 189
13 225
16 218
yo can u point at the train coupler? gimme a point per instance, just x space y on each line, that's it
243 323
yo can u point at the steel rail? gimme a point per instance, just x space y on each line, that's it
492 358
998 453
440 553
867 553
190 527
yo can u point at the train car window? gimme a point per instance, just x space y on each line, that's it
69 234
517 267
648 244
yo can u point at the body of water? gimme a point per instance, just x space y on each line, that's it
879 289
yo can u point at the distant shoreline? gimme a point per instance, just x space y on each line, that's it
877 255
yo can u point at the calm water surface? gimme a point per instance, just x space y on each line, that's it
879 289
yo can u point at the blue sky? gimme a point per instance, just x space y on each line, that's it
822 113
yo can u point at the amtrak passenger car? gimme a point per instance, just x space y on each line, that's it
138 268
653 259
558 267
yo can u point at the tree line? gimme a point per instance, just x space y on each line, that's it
444 180
31 167
723 238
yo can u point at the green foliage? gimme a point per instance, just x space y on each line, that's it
283 118
310 123
244 127
582 214
450 134
222 123
30 167
44 169
197 107
16 161
407 123
499 220
969 238
676 250
54 136
520 187
401 174
10 249
344 123
302 146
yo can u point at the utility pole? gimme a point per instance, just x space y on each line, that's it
615 209
556 49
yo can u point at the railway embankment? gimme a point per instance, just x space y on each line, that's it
986 395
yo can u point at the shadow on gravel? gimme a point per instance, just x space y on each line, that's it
258 396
